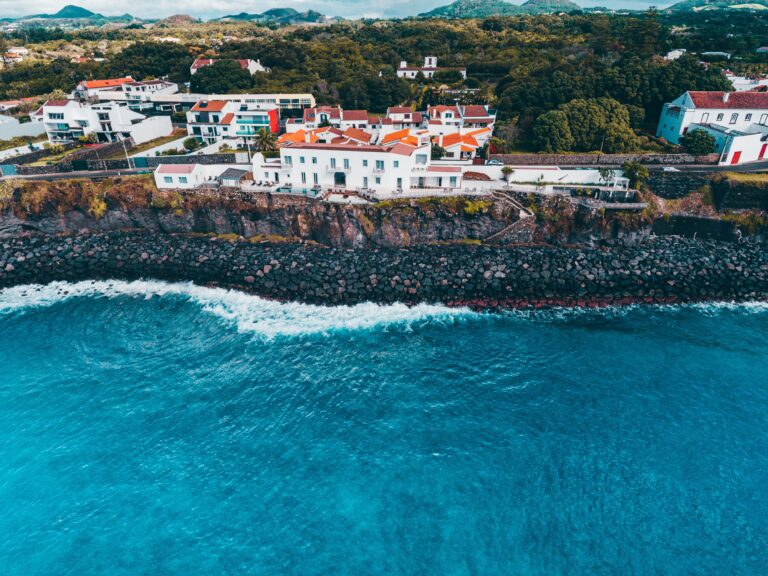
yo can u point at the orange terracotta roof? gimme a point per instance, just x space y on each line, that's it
209 106
357 134
110 83
228 117
395 136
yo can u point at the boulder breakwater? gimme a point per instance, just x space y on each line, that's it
661 270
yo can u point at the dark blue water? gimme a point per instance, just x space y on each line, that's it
204 432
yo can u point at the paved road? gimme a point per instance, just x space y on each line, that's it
93 175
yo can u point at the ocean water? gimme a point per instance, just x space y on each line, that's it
150 428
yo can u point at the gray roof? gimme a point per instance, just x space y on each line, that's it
232 174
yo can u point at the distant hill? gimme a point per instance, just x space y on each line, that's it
177 20
279 16
715 5
72 12
484 8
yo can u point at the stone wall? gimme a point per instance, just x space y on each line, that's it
601 159
673 185
661 270
84 156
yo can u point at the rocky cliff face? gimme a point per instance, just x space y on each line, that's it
396 224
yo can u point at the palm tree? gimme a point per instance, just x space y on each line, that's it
265 141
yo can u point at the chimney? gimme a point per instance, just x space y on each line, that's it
726 96
403 64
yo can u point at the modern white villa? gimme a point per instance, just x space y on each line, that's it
68 120
222 121
737 120
428 70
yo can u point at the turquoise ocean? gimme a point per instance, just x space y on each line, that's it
152 428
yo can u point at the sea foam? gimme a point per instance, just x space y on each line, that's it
248 313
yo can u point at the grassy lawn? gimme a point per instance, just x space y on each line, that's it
48 160
175 135
748 177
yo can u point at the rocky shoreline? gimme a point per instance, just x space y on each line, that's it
661 270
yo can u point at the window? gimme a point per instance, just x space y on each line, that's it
333 162
182 179
56 116
289 161
303 177
397 163
365 181
379 164
365 163
421 158
705 118
764 119
453 181
346 163
314 178
719 117
378 180
301 159
748 117
314 159
399 183
734 118
168 179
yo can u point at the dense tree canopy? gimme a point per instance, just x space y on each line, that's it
698 142
221 77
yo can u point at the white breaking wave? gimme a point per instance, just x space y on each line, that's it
248 313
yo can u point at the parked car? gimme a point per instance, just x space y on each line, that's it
494 163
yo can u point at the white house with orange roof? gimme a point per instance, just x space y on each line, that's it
250 66
447 119
458 146
334 116
214 121
90 88
397 166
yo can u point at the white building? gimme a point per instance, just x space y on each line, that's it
734 118
675 54
220 120
450 119
90 88
68 120
250 66
428 70
334 116
747 83
139 94
179 176
352 167
180 101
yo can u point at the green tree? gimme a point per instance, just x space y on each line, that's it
698 142
636 172
221 77
437 152
552 132
448 76
190 143
265 141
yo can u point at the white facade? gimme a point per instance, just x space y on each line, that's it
736 147
733 110
165 101
68 120
139 94
428 70
179 176
220 120
88 89
351 167
675 54
745 83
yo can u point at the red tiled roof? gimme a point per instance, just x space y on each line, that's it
228 117
334 113
57 102
355 115
736 100
475 111
398 110
357 134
